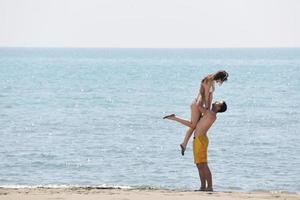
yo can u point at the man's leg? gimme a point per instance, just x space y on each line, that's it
208 178
201 170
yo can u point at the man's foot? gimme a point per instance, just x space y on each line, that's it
169 116
182 149
209 190
202 189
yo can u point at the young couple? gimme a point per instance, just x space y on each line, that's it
203 115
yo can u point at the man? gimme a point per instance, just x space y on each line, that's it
200 142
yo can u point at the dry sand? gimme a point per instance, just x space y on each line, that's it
133 194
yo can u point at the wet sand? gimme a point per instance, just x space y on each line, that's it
87 193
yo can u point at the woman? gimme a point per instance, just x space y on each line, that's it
204 97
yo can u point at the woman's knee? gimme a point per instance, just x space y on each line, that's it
193 125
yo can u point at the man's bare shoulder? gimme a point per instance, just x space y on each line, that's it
211 114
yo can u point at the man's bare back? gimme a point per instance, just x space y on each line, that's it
205 122
200 143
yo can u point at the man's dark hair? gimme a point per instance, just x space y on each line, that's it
223 107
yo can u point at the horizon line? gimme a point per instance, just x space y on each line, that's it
87 47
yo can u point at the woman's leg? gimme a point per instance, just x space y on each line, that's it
187 137
180 120
195 116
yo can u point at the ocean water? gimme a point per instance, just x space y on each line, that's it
94 117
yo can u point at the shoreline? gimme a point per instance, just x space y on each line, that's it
105 193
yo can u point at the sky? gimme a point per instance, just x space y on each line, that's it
150 23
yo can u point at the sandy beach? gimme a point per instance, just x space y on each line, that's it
133 194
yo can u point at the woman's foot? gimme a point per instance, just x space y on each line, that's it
169 116
182 149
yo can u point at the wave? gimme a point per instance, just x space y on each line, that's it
122 187
87 187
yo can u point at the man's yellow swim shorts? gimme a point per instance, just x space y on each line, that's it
200 145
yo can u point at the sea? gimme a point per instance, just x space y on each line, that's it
92 117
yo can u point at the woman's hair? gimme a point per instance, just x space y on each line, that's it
207 78
220 75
